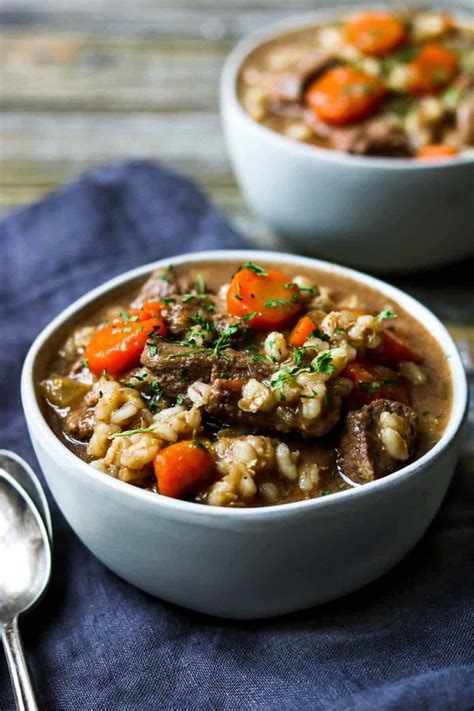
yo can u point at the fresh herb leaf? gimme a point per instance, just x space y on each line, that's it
129 433
85 363
273 303
169 300
179 400
124 316
250 316
386 314
324 363
255 268
198 443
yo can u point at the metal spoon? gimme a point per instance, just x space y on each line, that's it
29 482
25 565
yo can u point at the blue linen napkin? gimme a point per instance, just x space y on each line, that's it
95 642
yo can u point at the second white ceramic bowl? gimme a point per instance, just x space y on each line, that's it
381 214
243 563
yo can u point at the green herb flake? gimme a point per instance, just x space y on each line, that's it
325 493
179 400
129 433
104 373
255 268
127 329
273 303
249 316
85 363
324 363
169 300
124 316
199 444
164 277
386 315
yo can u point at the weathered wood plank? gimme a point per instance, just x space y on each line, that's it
73 72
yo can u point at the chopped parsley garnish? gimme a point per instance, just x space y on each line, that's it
224 339
273 303
164 277
152 350
198 443
250 316
124 316
299 354
324 363
386 314
258 358
322 336
325 493
104 373
179 400
127 329
129 433
255 268
169 300
203 322
85 363
135 317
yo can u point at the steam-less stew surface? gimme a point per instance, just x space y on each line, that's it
397 84
247 385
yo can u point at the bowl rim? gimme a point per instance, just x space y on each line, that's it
230 101
38 424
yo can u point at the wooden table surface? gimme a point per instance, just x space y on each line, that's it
84 82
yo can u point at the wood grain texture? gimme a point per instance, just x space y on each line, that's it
85 82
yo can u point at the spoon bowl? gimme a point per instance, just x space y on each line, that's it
24 475
25 561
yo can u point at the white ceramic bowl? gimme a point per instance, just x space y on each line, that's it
244 563
382 214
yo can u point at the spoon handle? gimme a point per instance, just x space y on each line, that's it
23 690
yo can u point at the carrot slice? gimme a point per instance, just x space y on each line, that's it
375 33
118 347
301 332
433 68
436 151
266 299
394 349
181 467
372 383
345 94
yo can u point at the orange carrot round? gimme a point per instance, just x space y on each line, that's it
436 151
181 468
375 33
118 347
345 94
266 299
432 69
302 331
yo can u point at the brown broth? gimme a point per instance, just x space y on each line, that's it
431 401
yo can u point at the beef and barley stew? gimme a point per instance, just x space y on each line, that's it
397 84
246 385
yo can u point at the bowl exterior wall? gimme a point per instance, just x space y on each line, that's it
249 567
385 219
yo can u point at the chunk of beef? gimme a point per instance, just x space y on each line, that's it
374 137
223 405
80 421
361 454
160 285
176 367
289 84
